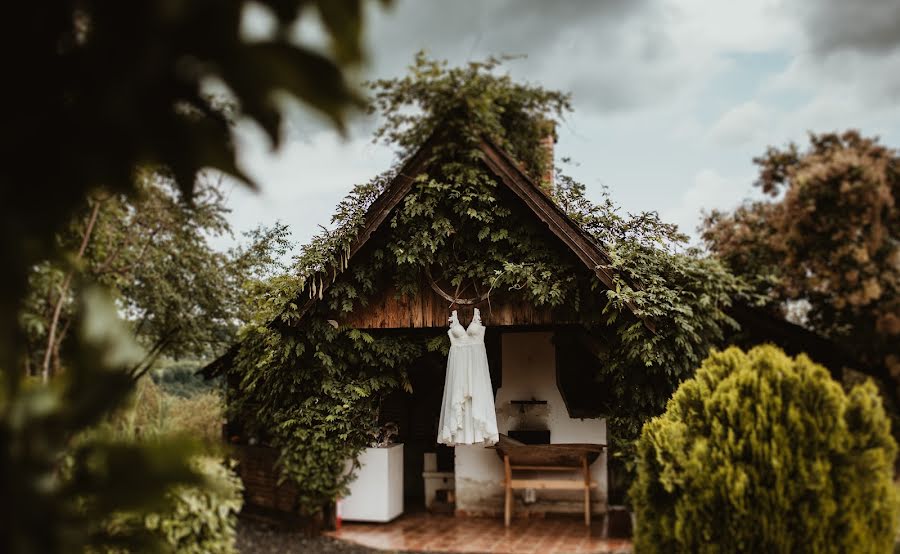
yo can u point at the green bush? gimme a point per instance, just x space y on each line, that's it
194 519
760 452
202 520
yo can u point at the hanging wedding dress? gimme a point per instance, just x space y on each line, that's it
467 413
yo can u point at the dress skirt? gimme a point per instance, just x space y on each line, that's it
467 411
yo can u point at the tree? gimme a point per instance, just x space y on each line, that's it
828 239
760 452
99 92
180 296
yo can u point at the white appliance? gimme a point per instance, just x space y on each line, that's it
377 492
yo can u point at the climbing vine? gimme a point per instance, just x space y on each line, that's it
313 385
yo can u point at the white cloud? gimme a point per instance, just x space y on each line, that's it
741 124
301 183
721 27
845 71
710 190
845 90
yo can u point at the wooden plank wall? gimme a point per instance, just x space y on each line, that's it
429 310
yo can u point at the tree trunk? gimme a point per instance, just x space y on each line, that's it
153 354
63 290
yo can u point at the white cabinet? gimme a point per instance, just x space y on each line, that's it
377 492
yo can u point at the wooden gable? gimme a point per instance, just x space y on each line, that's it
430 310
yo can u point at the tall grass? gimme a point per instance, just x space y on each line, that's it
153 413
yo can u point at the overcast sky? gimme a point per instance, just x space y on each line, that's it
672 98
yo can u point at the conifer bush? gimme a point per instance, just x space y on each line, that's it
761 452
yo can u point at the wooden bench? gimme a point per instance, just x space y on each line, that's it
573 458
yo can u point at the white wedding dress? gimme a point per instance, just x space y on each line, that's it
467 412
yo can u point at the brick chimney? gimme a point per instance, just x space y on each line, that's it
547 144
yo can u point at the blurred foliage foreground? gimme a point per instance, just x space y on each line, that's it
67 482
104 91
104 481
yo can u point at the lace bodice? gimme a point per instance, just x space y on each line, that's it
463 336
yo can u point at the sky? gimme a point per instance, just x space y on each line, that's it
672 98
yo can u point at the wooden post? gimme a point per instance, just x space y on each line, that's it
507 511
587 491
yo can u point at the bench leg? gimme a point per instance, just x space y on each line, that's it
507 512
507 509
587 492
587 506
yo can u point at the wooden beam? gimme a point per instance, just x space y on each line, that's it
551 484
543 468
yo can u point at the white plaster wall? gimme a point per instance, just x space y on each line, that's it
529 371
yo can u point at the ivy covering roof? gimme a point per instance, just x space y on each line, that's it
506 170
509 173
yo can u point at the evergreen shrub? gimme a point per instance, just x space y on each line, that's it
761 452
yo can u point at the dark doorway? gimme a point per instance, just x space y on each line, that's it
417 416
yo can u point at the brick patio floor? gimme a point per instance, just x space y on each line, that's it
445 533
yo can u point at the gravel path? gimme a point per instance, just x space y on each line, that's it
258 538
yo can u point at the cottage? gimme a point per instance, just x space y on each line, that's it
543 354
